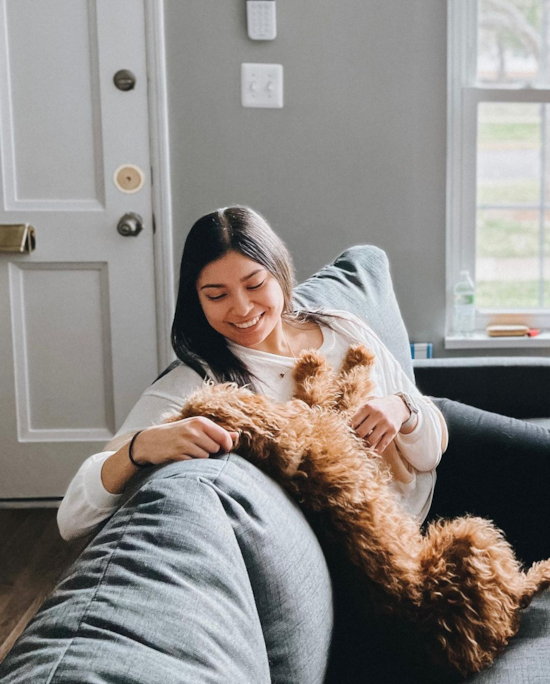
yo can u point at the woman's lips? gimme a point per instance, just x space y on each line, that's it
257 319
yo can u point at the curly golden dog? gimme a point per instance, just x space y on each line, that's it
459 584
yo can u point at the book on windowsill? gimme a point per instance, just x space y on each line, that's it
511 331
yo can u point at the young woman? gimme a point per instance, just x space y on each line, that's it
235 321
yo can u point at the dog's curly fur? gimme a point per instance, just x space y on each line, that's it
460 583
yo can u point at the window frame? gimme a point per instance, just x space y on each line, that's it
463 97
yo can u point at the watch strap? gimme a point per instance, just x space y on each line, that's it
413 408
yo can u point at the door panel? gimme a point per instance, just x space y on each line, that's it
41 37
62 310
78 324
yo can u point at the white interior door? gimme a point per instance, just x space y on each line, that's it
78 339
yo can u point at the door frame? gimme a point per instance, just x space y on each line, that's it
155 45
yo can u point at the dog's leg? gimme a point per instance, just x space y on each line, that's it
357 355
354 383
314 380
473 590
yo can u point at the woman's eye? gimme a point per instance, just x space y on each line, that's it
253 287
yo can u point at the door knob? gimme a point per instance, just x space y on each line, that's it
130 225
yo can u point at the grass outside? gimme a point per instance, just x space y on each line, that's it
508 136
509 192
501 236
511 295
510 233
509 125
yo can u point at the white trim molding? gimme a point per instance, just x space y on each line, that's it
29 503
160 172
483 341
461 15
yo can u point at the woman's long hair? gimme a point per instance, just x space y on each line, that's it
242 230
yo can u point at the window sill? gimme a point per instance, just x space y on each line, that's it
481 340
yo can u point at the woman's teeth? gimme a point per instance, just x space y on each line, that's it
249 324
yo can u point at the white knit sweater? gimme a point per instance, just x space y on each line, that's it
87 502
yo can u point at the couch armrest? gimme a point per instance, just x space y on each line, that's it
209 572
512 386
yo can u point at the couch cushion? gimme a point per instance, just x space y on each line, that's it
208 574
359 281
485 382
526 660
541 422
386 649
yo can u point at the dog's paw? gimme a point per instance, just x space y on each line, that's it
310 364
357 355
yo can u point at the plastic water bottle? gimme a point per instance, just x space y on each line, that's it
464 305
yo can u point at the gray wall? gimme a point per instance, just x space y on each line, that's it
357 154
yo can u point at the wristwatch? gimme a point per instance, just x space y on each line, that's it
413 408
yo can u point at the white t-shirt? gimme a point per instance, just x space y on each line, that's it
87 502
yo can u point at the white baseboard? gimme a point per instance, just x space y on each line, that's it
30 503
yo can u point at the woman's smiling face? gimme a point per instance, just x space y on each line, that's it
241 299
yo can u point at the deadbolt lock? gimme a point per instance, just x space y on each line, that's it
124 79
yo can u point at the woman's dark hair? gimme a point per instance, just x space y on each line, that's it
242 230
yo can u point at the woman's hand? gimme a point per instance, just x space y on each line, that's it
379 420
182 440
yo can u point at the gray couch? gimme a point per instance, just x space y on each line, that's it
210 574
511 386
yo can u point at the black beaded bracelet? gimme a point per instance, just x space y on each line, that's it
131 455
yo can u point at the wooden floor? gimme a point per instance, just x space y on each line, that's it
32 558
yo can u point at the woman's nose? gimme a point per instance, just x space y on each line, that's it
242 305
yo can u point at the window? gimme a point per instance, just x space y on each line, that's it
498 180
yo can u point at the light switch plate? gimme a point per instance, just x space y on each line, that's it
262 85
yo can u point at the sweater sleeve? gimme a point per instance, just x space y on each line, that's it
424 446
86 502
